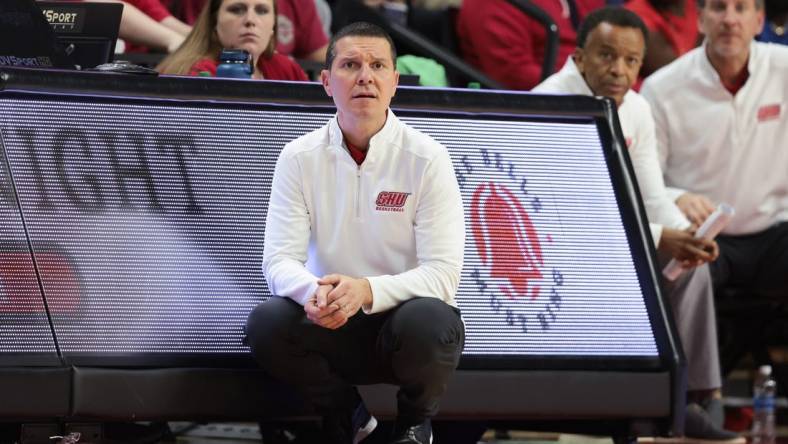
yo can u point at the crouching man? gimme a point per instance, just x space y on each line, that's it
363 251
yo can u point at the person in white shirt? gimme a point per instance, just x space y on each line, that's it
722 126
606 62
363 251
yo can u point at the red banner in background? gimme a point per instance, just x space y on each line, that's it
19 290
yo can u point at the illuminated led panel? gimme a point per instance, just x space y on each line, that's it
548 269
24 328
160 212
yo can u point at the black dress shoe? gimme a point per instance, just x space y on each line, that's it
716 411
363 423
414 434
349 426
698 425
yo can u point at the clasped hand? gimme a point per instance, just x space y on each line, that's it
696 207
337 299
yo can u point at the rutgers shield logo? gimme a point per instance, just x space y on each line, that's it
512 229
506 240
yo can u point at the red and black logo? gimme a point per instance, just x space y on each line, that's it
769 112
506 240
512 265
391 201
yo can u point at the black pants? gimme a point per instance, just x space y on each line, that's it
416 345
755 261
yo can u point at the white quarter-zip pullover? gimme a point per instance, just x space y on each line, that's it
637 125
396 219
730 148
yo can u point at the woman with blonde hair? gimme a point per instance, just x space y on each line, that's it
233 24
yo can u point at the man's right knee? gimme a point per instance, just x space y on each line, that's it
270 323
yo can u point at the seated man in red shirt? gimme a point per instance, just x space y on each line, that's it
673 30
144 25
509 46
300 32
185 10
158 12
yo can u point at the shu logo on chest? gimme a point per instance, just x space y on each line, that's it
769 112
391 201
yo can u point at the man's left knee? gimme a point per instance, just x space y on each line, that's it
428 321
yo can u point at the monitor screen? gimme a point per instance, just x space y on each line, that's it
26 39
86 31
155 213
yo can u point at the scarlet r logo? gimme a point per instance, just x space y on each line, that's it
506 240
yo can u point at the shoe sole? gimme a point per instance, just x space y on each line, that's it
366 430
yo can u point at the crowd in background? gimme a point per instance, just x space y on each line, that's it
492 36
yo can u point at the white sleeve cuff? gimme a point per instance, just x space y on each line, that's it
674 193
656 233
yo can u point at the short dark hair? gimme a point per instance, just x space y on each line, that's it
759 4
613 15
359 29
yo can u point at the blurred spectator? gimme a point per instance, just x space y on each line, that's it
302 27
301 33
324 12
345 12
722 125
508 45
585 7
395 11
185 10
673 30
158 12
382 13
235 24
775 30
610 49
138 28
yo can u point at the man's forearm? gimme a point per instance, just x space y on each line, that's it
138 28
176 25
289 279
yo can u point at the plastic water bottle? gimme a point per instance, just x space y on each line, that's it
763 393
234 63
